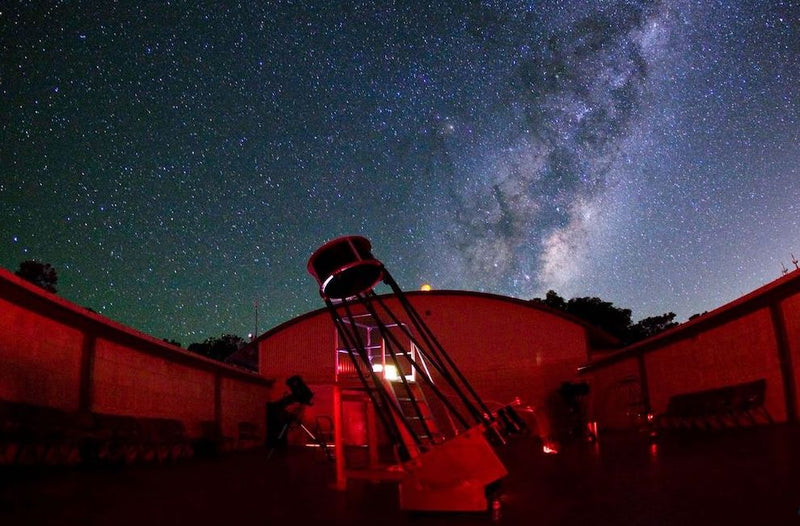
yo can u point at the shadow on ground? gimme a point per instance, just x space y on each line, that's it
741 476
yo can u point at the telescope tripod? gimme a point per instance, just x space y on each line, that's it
296 423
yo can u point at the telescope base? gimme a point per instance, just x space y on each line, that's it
452 476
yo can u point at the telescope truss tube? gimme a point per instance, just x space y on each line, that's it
445 468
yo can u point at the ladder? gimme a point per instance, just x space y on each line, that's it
403 399
413 407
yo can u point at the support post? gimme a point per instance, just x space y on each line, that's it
785 361
86 393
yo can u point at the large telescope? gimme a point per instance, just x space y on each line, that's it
441 429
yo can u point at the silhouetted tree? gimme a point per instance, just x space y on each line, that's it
40 274
203 348
651 326
218 348
602 314
552 299
614 320
173 342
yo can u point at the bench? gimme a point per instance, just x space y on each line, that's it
42 435
212 441
164 439
728 406
120 439
31 434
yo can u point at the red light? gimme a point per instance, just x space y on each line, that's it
591 429
496 510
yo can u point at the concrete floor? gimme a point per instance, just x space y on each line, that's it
742 476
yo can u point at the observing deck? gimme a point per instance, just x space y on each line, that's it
734 476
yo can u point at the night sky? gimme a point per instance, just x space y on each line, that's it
178 161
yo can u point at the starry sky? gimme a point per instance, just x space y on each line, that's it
178 162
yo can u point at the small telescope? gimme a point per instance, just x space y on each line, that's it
299 391
280 418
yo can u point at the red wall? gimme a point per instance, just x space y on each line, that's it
746 340
305 347
132 383
242 402
790 313
41 358
55 353
506 348
739 351
616 396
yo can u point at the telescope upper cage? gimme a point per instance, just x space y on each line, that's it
345 267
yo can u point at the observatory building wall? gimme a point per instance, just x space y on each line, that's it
506 348
54 353
752 339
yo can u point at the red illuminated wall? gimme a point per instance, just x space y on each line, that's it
739 351
506 348
55 353
790 315
41 357
754 337
127 381
616 395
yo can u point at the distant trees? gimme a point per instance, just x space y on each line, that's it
651 326
40 274
218 348
614 320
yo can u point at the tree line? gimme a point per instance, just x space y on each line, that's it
614 320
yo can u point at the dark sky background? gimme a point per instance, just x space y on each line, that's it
177 161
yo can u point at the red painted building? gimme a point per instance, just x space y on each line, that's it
754 338
57 354
508 349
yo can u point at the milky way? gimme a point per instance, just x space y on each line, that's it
566 109
179 162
